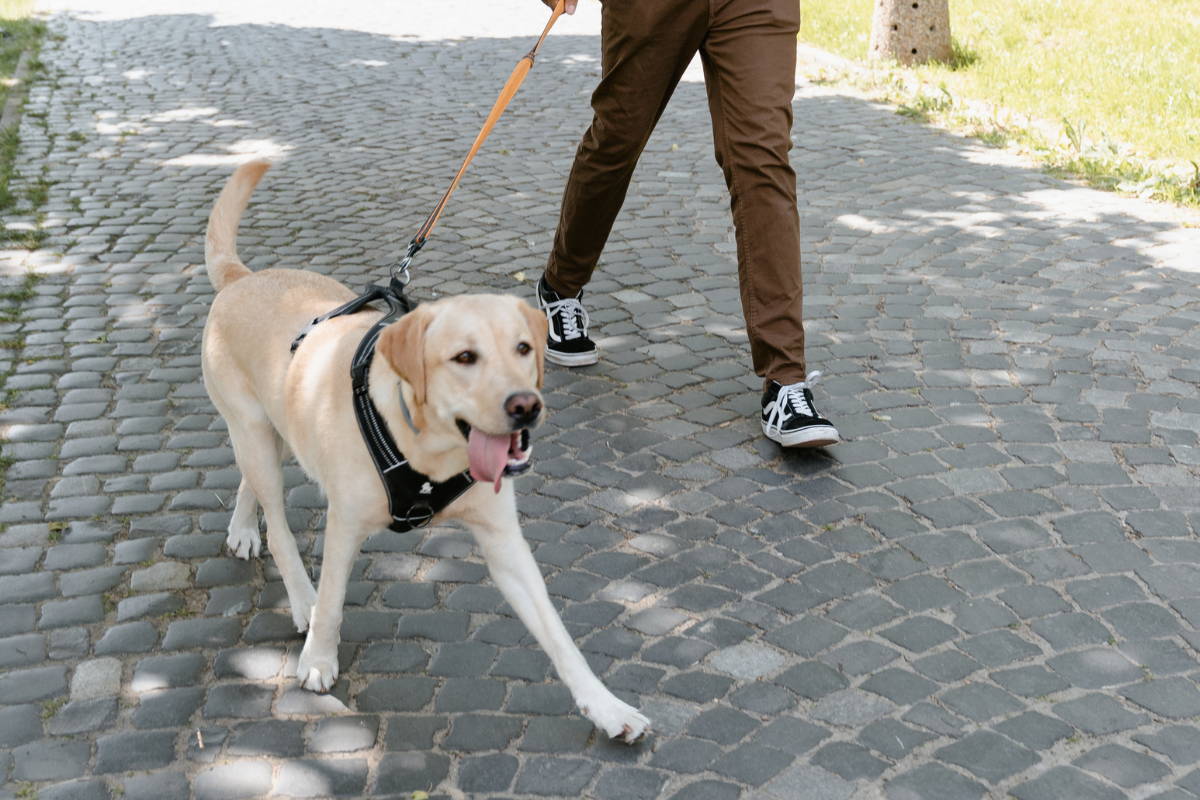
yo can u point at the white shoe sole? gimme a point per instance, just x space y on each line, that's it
572 359
815 436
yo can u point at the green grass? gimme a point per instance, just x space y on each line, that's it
1103 89
18 32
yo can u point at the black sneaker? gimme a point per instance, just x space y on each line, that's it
789 417
567 342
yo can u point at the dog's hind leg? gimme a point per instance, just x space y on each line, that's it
256 448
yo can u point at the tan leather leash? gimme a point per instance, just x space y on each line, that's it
400 269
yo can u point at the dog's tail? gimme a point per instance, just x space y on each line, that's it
220 244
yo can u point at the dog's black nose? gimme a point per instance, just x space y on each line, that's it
523 408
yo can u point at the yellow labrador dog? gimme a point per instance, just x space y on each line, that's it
457 364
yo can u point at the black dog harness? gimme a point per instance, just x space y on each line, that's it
413 499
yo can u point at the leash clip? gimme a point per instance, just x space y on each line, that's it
400 271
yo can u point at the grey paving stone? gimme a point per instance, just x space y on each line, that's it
163 672
133 750
1065 782
238 700
76 790
473 732
685 755
919 634
1029 681
979 701
900 686
343 734
556 735
154 786
752 764
1176 742
32 684
697 686
807 636
82 716
170 708
630 782
50 760
988 756
148 605
1098 714
20 724
234 779
90 581
1174 698
130 637
722 725
546 775
1095 668
1034 730
322 778
278 738
935 782
892 738
22 650
1122 766
849 761
396 694
998 648
790 735
850 707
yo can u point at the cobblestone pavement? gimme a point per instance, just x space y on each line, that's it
992 588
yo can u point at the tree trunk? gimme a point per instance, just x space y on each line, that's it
911 31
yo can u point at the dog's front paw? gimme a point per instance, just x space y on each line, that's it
244 542
618 720
317 672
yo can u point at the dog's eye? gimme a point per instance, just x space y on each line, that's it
466 357
524 349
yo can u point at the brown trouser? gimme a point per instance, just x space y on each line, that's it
748 48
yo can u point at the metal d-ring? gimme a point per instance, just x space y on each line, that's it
400 271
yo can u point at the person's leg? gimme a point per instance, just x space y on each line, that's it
645 48
749 70
749 60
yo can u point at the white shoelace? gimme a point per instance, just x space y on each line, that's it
792 393
570 311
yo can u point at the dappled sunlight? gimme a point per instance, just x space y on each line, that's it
231 159
185 113
860 223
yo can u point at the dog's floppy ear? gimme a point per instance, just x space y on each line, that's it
403 345
538 327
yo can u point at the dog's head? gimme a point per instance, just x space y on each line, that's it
475 364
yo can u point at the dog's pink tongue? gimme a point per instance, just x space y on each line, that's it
488 456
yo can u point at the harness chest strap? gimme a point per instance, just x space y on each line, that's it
413 499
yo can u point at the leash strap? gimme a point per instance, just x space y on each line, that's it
400 270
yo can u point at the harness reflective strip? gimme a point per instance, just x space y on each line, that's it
364 407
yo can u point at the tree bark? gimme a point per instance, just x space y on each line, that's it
911 31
